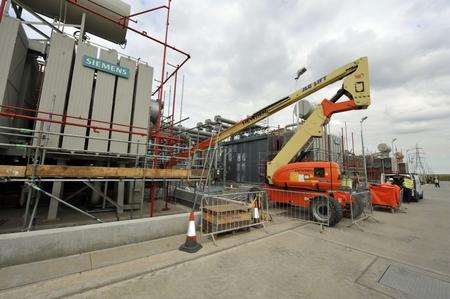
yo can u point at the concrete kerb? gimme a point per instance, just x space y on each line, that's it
99 264
27 247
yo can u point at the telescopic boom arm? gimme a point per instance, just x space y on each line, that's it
355 87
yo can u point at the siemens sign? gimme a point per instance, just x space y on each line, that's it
106 67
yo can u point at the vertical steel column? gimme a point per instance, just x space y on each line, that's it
158 119
174 97
2 9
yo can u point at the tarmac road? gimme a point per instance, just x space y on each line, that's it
292 261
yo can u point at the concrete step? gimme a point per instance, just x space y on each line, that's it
23 274
53 278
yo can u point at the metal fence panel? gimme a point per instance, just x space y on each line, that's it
307 206
233 211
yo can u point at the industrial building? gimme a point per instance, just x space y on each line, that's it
73 111
96 173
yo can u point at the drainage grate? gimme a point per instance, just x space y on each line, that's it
413 283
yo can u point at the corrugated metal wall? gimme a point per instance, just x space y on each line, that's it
99 96
248 155
141 109
246 159
13 54
80 98
56 82
122 107
103 103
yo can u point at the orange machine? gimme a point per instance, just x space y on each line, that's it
317 179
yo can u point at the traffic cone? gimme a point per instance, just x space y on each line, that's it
256 214
191 244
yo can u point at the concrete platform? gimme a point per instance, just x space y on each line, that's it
291 260
33 246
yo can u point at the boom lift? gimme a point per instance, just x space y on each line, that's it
320 177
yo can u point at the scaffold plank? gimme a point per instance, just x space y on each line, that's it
7 171
64 171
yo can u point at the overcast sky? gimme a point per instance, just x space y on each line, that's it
245 54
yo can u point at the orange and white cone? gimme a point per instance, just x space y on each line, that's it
191 244
256 213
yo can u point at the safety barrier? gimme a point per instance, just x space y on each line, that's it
307 206
361 208
233 211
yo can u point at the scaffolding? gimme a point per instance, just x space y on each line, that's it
29 159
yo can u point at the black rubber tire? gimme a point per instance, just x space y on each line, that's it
414 196
332 216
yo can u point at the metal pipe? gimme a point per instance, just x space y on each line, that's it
65 116
62 134
102 195
193 131
143 33
63 202
182 97
143 12
37 16
2 9
220 119
363 153
15 115
174 97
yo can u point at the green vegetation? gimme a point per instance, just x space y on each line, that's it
444 177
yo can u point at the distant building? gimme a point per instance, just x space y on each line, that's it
247 156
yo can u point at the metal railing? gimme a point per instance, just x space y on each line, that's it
309 206
233 211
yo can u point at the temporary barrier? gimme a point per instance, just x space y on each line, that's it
233 211
308 206
361 208
386 195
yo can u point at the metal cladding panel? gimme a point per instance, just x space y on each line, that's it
13 49
246 162
95 24
141 106
80 98
122 107
56 80
103 102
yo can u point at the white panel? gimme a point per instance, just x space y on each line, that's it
80 98
141 112
122 107
13 54
56 79
103 102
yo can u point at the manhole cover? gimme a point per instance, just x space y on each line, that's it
413 283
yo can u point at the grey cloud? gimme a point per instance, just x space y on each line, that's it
244 55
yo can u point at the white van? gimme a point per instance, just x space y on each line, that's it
418 191
398 180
